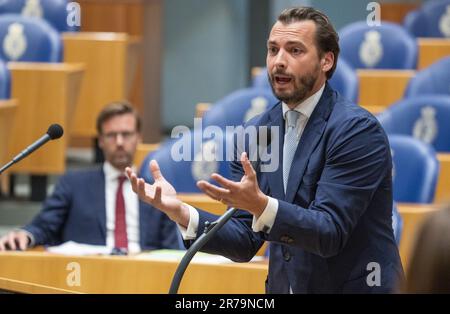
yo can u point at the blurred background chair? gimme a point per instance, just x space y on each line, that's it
53 11
415 170
432 80
431 20
5 81
239 107
388 46
423 117
184 173
29 39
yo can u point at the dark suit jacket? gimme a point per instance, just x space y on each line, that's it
336 217
76 211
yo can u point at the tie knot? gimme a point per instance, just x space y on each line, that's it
291 118
121 179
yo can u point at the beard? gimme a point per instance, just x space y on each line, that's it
303 85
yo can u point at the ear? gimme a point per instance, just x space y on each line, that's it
327 61
100 142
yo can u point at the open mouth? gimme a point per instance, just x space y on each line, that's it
282 79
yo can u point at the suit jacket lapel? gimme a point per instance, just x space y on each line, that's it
310 137
275 177
98 200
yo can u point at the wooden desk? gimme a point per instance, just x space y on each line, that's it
431 50
7 119
142 151
41 272
110 61
47 94
7 115
443 186
381 88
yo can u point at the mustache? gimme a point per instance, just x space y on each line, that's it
281 72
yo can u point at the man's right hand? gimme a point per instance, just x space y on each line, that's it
160 194
15 240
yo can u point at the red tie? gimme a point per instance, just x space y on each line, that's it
120 230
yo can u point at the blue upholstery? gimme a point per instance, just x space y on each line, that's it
424 117
184 174
53 11
430 20
388 46
415 171
432 80
344 80
39 41
5 81
236 108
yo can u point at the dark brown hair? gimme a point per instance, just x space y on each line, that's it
117 108
326 37
429 269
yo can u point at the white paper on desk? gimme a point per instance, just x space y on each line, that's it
176 255
74 248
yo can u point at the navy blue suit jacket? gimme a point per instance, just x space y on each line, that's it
335 219
76 211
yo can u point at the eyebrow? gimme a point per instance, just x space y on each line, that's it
289 43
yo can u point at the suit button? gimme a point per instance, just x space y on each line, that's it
286 256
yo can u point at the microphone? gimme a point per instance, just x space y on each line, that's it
55 131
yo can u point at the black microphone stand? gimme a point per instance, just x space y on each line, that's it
210 230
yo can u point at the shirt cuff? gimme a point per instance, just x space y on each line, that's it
265 222
190 233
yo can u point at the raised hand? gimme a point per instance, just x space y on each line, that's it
161 194
243 195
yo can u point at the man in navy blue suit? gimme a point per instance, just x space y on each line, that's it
98 206
327 209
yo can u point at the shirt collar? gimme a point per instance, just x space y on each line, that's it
111 173
306 107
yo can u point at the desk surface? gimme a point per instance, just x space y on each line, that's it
42 272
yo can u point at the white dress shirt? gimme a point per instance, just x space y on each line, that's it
267 218
131 208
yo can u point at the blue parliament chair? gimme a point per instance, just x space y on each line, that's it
203 157
423 117
238 107
5 81
29 39
432 80
53 11
388 46
430 20
415 169
344 80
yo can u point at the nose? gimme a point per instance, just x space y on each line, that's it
280 60
119 139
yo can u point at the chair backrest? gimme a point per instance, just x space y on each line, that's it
238 107
5 81
415 169
432 80
431 20
200 162
28 39
423 117
388 46
53 11
344 80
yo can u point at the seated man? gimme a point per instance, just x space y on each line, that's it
98 206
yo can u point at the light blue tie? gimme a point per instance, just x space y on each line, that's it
290 143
